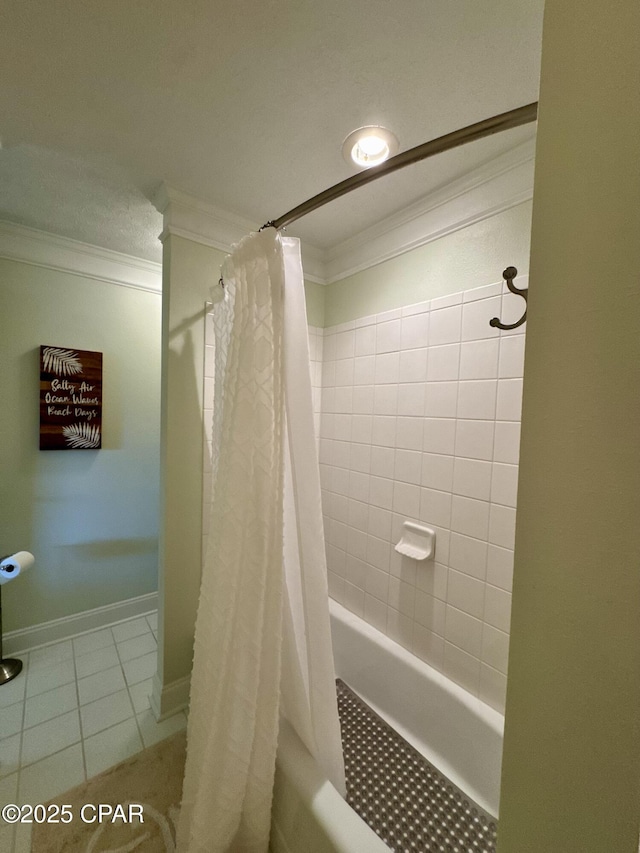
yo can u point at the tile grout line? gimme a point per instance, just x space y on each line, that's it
148 630
483 632
25 665
457 419
77 686
126 682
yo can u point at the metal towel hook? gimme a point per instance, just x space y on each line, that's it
508 275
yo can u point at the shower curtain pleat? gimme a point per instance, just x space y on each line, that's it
306 628
263 602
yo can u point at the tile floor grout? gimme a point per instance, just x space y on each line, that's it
82 750
129 725
135 716
150 614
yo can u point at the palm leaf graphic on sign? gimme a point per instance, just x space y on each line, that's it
64 362
82 436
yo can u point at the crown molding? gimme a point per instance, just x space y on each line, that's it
312 263
197 220
497 185
51 251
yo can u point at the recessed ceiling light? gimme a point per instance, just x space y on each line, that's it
369 146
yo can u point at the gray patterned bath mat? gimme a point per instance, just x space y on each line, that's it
403 798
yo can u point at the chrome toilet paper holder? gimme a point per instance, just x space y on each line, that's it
9 667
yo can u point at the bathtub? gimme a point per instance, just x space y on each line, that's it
456 732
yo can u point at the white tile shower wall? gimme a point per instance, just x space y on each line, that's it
316 345
420 421
315 356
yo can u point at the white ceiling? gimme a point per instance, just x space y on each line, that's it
244 105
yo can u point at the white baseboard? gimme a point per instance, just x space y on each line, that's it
45 633
168 699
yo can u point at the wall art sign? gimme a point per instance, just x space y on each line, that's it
70 399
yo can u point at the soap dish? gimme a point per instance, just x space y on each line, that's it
417 542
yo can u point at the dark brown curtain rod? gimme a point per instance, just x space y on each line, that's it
504 121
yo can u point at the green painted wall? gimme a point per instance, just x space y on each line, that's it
471 257
315 297
89 517
571 769
189 270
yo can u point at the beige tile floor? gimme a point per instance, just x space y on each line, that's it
77 707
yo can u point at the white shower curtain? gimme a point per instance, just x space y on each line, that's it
262 644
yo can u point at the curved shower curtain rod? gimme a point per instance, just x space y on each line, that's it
487 127
504 121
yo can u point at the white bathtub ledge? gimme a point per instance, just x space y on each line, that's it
453 730
339 827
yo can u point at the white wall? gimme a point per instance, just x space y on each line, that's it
420 421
